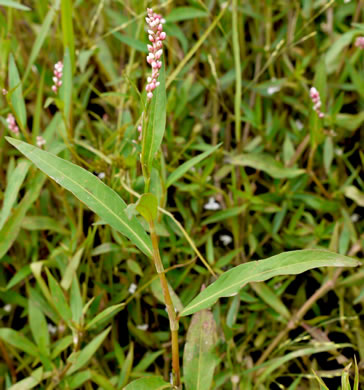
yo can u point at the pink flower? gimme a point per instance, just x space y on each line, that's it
12 124
359 42
315 97
57 76
156 36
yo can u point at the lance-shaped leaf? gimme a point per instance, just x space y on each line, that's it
266 163
186 166
156 123
199 359
100 198
150 383
147 206
287 263
17 98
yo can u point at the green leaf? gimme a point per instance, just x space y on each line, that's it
103 382
156 123
41 222
17 98
58 299
18 340
89 189
71 269
39 327
132 42
199 359
334 54
328 154
105 315
11 228
354 194
270 298
41 36
67 30
275 364
65 92
31 381
224 214
350 122
157 291
184 13
182 169
266 163
80 359
14 4
78 379
150 383
147 206
287 263
12 190
76 302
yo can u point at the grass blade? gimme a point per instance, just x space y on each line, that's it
267 164
41 36
182 169
14 4
86 354
16 90
12 190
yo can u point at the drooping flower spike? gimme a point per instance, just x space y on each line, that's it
156 37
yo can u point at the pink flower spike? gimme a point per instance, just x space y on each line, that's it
149 95
12 124
163 36
57 75
316 100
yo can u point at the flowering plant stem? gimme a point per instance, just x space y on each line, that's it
173 321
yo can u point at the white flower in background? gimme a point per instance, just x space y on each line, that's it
40 141
339 152
226 239
132 288
212 205
143 327
299 125
273 89
235 379
52 329
355 217
7 308
101 175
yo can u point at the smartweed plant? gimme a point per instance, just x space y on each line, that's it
139 222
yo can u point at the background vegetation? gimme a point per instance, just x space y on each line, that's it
283 179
